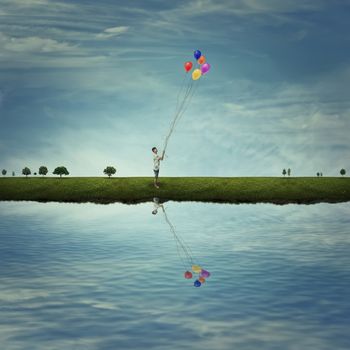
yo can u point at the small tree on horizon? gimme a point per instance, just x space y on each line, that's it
61 170
110 170
284 172
318 174
342 172
43 170
321 174
26 171
288 171
4 172
13 173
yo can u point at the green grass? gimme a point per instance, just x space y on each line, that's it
207 189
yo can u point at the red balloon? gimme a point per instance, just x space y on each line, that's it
188 275
188 66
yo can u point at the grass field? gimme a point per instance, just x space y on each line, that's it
207 189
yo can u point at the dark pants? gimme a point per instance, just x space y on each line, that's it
156 173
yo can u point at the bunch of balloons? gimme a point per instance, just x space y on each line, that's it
187 90
202 275
204 66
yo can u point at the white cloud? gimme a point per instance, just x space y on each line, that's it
32 44
112 32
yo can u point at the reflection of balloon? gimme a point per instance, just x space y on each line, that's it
205 273
201 59
197 283
196 74
196 269
201 279
197 54
188 66
205 68
188 275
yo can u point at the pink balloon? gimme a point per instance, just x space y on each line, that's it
205 68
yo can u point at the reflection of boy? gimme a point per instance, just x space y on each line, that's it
156 206
156 164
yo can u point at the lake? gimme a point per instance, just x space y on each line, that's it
87 276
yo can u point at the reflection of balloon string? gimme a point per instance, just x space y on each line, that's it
179 241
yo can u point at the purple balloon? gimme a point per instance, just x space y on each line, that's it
205 68
204 273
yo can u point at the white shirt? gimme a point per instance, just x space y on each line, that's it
156 161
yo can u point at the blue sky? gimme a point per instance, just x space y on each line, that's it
93 83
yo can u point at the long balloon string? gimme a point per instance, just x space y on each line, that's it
179 243
187 103
179 111
187 92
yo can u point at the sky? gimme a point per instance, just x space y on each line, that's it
86 84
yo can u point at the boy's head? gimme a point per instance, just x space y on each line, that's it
155 211
154 150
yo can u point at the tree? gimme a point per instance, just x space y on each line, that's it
13 173
289 171
321 174
318 174
4 172
342 172
110 170
61 170
43 170
26 171
284 172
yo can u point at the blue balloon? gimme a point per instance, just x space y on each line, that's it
197 54
197 283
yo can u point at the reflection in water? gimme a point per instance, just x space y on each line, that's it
101 277
183 250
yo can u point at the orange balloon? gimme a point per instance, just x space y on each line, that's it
201 59
201 279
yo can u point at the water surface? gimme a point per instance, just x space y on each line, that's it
85 276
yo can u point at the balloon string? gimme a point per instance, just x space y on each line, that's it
187 102
179 243
178 113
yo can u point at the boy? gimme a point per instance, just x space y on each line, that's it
156 163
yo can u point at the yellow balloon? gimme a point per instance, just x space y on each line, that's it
196 74
196 269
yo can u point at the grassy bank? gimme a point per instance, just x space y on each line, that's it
214 189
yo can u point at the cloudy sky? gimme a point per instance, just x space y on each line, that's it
87 84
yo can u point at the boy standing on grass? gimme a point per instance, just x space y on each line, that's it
156 163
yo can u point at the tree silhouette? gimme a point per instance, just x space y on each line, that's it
318 174
342 172
4 172
61 170
110 170
26 171
13 173
43 170
288 171
284 172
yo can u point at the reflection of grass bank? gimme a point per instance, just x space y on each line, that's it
216 189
